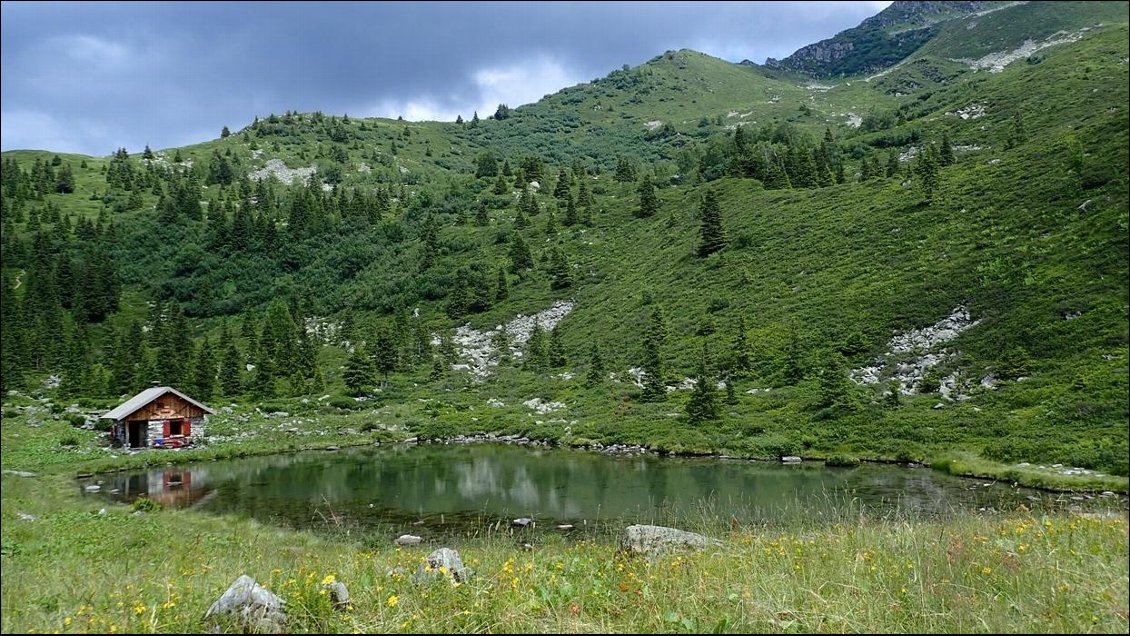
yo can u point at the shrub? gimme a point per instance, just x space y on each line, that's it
145 504
843 461
344 403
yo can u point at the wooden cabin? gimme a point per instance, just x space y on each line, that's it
158 416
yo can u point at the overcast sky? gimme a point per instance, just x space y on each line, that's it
93 77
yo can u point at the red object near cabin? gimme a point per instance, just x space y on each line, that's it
176 433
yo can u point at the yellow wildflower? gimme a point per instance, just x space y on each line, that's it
329 580
393 600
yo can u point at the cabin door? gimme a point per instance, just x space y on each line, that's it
138 431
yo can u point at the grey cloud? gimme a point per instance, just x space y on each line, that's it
101 75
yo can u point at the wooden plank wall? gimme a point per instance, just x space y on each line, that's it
165 407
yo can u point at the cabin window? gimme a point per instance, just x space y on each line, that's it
176 427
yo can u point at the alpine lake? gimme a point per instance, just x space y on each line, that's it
443 491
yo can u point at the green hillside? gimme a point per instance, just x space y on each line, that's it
857 215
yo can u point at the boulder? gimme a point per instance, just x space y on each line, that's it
250 606
339 595
650 540
408 539
444 558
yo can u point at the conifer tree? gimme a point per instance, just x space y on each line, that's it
203 376
385 354
570 211
892 164
230 365
835 386
625 170
742 364
654 343
713 235
536 347
731 393
502 290
584 195
945 153
649 202
358 372
520 257
596 370
501 342
927 172
560 270
551 224
501 186
703 405
561 190
556 348
792 368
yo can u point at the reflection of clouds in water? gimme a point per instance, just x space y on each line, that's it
477 478
480 477
523 490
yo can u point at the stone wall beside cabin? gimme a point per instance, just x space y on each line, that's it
157 429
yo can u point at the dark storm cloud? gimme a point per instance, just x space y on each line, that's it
94 77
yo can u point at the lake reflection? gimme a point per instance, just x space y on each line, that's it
460 488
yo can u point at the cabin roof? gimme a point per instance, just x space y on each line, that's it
130 406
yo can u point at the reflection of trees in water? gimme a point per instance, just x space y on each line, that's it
372 486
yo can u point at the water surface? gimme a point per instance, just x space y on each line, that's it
471 489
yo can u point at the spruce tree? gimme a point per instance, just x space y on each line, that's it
625 170
731 393
501 342
927 172
560 270
703 405
713 235
230 365
358 372
385 354
570 211
892 164
520 257
502 289
596 370
654 343
742 364
945 153
792 365
501 186
203 376
835 385
649 202
584 196
556 348
536 348
561 190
